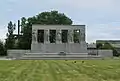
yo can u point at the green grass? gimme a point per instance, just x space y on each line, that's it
50 70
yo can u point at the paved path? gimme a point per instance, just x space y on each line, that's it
4 58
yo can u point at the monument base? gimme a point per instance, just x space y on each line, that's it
57 56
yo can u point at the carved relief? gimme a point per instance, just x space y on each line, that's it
70 36
58 35
34 37
46 35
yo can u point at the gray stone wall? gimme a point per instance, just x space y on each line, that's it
103 53
16 53
56 48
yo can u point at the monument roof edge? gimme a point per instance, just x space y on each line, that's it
58 25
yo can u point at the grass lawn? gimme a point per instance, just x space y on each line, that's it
56 70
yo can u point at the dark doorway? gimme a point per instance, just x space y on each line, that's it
52 36
40 36
64 36
77 36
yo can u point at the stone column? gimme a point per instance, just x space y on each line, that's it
46 36
79 36
82 35
70 36
58 36
34 36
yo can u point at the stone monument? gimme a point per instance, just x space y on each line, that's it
57 42
70 46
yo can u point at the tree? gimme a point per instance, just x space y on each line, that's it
44 18
2 49
10 37
99 45
11 28
107 46
23 23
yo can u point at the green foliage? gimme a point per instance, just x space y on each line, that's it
52 17
2 49
11 28
44 18
10 41
23 24
99 45
115 53
107 45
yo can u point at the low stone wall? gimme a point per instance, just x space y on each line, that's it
106 53
103 53
16 53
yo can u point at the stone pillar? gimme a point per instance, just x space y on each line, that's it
46 36
70 36
34 36
79 35
82 35
58 36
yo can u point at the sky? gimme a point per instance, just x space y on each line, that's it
101 17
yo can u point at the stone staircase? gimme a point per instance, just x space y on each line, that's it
57 56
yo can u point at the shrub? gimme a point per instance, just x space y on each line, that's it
2 49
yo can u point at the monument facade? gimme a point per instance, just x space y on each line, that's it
58 38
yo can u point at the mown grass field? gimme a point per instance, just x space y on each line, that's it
56 70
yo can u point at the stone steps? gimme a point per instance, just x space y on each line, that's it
54 56
55 53
58 58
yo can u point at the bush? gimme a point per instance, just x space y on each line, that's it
2 49
115 53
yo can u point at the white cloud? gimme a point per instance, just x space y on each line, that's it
12 0
3 32
89 3
107 31
79 4
9 10
75 22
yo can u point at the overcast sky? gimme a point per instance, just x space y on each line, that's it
101 17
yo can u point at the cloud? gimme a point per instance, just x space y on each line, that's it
109 31
9 10
88 4
3 32
12 1
71 4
